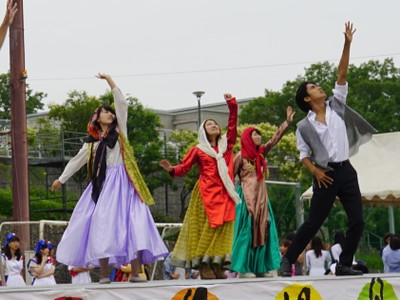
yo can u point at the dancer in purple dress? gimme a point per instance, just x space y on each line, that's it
111 224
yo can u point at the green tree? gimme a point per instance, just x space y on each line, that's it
374 92
264 109
33 99
75 112
181 141
44 141
145 140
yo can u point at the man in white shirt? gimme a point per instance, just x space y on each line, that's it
323 141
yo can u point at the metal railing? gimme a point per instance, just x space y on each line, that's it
43 146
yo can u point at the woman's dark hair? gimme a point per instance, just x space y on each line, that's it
204 127
316 245
38 255
7 250
395 242
259 133
301 94
290 236
387 237
285 243
106 108
339 238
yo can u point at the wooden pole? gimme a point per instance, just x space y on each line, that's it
20 189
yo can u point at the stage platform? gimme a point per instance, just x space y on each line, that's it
368 287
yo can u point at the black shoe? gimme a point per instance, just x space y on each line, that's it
285 269
342 270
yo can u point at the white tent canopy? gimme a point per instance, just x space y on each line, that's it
378 167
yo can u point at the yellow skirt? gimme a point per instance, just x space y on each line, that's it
199 243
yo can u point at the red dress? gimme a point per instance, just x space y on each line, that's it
219 206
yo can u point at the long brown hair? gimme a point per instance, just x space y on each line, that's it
316 245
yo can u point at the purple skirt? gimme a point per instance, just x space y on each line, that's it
117 227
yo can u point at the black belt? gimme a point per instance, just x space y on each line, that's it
339 164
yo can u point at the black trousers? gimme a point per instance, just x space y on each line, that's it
345 186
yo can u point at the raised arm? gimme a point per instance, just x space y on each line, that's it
47 273
73 166
121 105
36 268
108 78
232 121
82 269
344 60
281 130
181 169
11 10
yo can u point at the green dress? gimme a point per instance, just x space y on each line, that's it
255 245
245 257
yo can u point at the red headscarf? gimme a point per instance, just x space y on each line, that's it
252 153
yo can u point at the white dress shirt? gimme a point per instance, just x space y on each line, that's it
333 135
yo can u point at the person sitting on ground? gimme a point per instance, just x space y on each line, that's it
317 257
168 269
391 255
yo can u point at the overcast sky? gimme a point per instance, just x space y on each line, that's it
161 51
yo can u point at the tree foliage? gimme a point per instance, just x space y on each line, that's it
74 114
33 99
181 141
44 140
374 92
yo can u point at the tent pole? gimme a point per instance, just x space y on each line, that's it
299 206
391 219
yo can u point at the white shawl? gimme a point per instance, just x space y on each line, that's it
205 146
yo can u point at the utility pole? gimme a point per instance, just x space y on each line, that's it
20 189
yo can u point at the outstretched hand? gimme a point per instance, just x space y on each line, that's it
227 97
165 164
103 76
11 12
349 31
56 185
107 77
290 114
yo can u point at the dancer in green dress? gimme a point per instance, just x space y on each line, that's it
256 245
